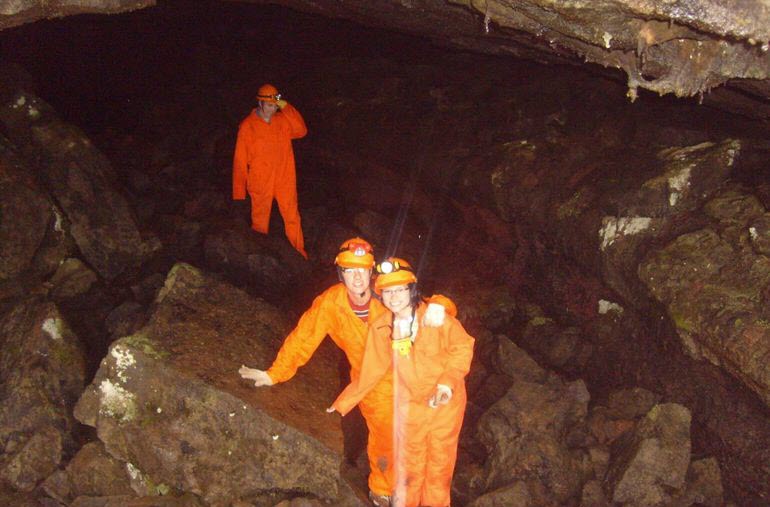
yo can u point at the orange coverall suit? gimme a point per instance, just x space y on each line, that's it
263 164
331 314
426 438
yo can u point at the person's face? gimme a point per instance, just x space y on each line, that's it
397 299
356 280
267 109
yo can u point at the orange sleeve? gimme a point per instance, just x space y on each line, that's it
240 163
297 127
376 363
460 353
302 342
445 301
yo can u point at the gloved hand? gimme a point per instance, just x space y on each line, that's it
260 378
281 103
331 410
434 315
441 397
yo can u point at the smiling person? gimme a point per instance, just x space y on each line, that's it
343 312
428 362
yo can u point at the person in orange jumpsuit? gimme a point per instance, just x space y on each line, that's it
428 362
263 163
343 312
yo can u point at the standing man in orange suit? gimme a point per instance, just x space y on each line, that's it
263 163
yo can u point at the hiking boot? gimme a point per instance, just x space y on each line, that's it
379 500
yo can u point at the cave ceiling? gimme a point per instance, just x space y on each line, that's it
715 50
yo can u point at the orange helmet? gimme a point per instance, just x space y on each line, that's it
268 93
355 253
393 271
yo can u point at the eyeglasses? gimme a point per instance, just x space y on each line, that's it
395 292
360 271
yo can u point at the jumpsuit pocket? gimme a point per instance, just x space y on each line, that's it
428 346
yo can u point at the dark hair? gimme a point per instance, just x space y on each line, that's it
414 295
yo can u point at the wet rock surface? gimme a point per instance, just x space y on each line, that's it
80 178
206 431
684 49
43 374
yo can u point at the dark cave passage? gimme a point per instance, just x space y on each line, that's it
500 165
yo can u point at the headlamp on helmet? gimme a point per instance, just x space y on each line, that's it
268 93
387 267
355 253
393 271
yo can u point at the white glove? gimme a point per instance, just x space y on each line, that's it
260 378
330 410
441 397
434 315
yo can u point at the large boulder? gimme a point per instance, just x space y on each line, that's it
267 263
25 214
714 286
80 178
42 373
651 461
659 208
169 401
525 435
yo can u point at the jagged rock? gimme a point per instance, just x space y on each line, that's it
592 495
168 400
186 500
604 428
71 279
26 213
656 210
267 263
42 372
599 457
556 347
22 499
524 435
125 319
712 284
759 232
515 494
145 290
704 485
653 459
80 178
300 502
512 361
630 403
91 472
25 11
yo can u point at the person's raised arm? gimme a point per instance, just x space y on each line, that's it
297 127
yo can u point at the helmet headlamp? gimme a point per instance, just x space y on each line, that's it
387 267
355 253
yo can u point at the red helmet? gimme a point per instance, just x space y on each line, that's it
268 93
393 271
355 253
